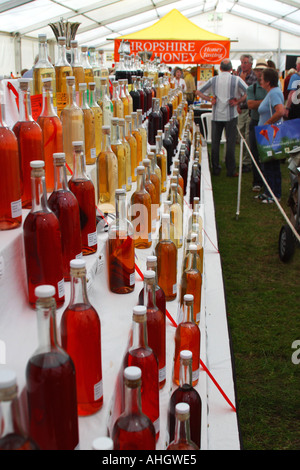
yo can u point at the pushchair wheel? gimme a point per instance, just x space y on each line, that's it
286 243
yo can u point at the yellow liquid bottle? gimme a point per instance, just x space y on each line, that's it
161 159
62 70
97 111
88 69
139 140
89 126
142 131
123 97
119 150
77 67
133 146
107 175
118 106
127 153
176 218
129 97
140 212
43 69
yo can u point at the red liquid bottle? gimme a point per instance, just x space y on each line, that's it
29 136
160 297
52 132
10 188
187 337
81 339
153 122
182 440
166 253
42 240
142 356
83 188
188 394
12 437
51 383
66 208
133 430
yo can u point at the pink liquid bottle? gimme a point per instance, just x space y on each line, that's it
51 383
81 339
133 430
65 206
42 240
182 439
142 356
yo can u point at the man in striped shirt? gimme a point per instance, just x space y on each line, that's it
225 91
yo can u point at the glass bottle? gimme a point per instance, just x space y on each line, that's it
43 68
81 338
42 240
133 430
143 97
77 67
11 436
89 126
187 337
118 107
105 103
123 97
176 172
65 206
135 94
191 281
140 212
52 132
51 383
160 90
156 325
72 121
165 112
133 146
62 70
195 183
153 122
88 70
142 356
107 174
182 440
83 188
160 298
188 394
126 146
183 169
104 73
176 217
155 177
29 137
118 149
149 97
162 163
139 139
150 188
129 97
194 237
98 117
166 253
121 71
177 178
142 131
10 185
168 144
121 261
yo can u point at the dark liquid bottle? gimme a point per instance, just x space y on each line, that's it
168 144
42 240
51 384
133 430
83 188
143 98
188 394
153 122
195 183
81 339
182 439
65 206
135 94
183 169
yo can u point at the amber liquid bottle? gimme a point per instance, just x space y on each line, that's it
127 150
133 146
188 394
83 188
51 383
107 175
72 122
155 177
65 206
140 212
77 67
118 149
191 281
182 440
133 430
176 217
89 126
142 356
42 240
81 339
138 137
118 107
150 188
162 163
166 253
88 70
121 262
62 70
29 136
52 133
123 97
98 117
187 337
10 187
43 68
142 131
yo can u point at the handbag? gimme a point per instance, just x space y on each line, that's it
275 141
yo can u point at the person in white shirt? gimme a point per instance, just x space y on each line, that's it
225 91
179 80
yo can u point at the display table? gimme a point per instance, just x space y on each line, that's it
18 328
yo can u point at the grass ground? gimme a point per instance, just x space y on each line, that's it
263 305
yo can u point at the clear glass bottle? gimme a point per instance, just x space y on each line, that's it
140 212
89 126
139 139
133 146
98 117
51 383
42 240
133 430
142 356
191 281
166 253
81 338
174 180
72 122
103 67
150 188
62 70
161 162
142 131
52 132
105 103
188 394
118 107
121 261
83 188
182 440
176 172
121 70
10 184
43 68
88 69
65 206
77 67
107 174
29 136
127 153
12 437
176 217
118 149
160 298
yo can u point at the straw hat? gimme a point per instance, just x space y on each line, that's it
261 64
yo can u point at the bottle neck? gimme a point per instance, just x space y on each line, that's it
62 56
39 192
139 333
24 106
78 165
71 100
83 99
165 229
43 54
120 208
48 108
128 130
121 132
150 293
92 101
115 138
182 429
46 319
60 178
132 398
106 146
115 95
140 182
78 287
185 373
75 57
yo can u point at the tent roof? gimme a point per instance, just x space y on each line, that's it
174 25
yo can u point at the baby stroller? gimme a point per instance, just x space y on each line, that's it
287 240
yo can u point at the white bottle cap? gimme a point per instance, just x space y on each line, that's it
45 291
165 216
193 247
132 373
185 354
140 309
37 164
59 155
77 263
182 408
103 443
149 274
8 378
152 258
77 142
188 297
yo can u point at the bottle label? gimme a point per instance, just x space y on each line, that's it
174 288
16 208
132 279
98 390
195 375
61 288
93 153
162 374
92 238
